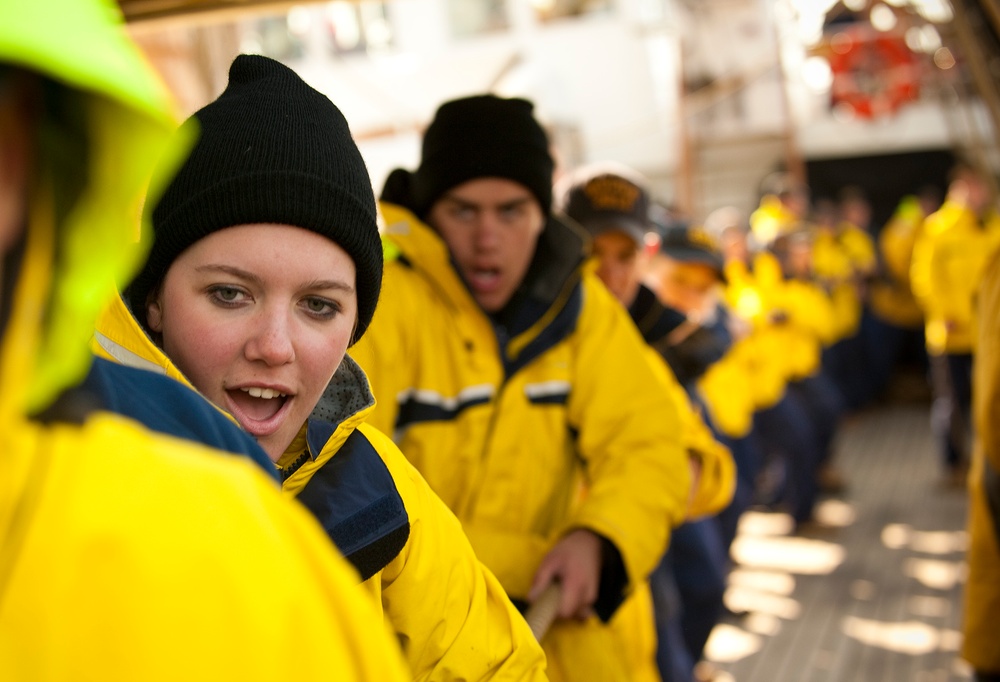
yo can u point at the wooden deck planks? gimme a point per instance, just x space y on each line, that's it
891 609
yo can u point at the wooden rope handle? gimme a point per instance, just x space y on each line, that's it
544 611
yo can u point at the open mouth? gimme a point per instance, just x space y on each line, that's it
259 410
484 279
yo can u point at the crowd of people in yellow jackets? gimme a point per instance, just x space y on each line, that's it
819 306
298 432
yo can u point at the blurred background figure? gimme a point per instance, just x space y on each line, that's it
612 203
949 257
794 303
843 261
895 327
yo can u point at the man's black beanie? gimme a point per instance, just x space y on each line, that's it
270 150
478 137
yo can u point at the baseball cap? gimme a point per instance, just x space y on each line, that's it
603 198
692 244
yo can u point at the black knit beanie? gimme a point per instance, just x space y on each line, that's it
478 137
270 150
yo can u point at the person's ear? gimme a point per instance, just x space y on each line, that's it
154 314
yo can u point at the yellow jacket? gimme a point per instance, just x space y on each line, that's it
982 589
728 391
755 361
859 247
890 295
449 612
839 270
792 320
812 324
830 260
551 444
948 261
716 468
124 555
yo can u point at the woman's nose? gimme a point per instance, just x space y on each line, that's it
271 341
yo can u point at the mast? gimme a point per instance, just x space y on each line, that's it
794 163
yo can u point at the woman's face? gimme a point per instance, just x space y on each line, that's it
258 317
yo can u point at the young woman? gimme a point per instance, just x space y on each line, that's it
266 265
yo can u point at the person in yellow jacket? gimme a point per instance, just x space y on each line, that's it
791 427
785 265
982 590
855 215
518 386
842 263
126 555
758 383
613 205
783 206
809 329
891 295
266 264
949 256
895 329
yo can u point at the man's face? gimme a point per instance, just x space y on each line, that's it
491 227
619 264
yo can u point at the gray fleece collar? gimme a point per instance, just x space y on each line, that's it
347 394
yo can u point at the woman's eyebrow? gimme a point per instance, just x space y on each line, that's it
229 270
330 284
337 284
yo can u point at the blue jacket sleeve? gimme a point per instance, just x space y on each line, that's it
167 406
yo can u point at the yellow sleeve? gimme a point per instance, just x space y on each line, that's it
830 259
987 367
927 276
811 309
859 247
982 592
896 247
629 436
713 489
451 614
728 394
717 476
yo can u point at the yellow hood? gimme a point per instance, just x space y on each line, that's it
105 125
